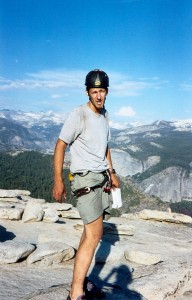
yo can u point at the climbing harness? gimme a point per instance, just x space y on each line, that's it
105 184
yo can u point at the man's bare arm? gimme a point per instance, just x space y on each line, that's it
114 179
59 190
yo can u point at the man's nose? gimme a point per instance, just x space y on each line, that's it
99 95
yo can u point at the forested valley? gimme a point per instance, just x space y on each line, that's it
33 171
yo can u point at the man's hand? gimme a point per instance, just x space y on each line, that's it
115 181
59 192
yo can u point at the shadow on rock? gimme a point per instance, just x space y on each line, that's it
103 251
6 235
117 282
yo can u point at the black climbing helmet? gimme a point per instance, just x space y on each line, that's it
97 79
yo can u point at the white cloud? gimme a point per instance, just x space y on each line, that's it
55 96
73 81
122 86
46 80
128 88
186 87
126 112
117 125
65 78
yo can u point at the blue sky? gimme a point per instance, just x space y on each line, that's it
48 46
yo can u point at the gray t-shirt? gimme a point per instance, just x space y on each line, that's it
87 134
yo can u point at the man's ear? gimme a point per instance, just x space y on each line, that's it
87 93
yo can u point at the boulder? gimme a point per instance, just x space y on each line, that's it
33 212
70 214
13 193
51 253
11 213
50 215
9 199
11 252
156 215
58 206
142 258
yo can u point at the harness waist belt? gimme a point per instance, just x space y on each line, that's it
86 172
86 190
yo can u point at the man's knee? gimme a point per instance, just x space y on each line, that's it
94 231
93 237
96 238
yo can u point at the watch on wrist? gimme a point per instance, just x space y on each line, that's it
113 171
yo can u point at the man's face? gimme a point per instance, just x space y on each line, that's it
97 98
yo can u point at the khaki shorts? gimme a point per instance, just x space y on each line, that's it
95 204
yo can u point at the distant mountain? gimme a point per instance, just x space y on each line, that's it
29 131
30 119
157 156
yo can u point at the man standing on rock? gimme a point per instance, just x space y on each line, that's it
86 131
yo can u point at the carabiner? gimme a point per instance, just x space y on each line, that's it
87 190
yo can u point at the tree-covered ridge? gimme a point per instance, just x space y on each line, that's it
31 171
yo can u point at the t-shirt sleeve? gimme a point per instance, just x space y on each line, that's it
109 135
71 127
109 131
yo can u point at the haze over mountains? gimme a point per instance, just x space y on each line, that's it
157 156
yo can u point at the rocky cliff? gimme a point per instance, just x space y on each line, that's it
158 157
126 165
171 185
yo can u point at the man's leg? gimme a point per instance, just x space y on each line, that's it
88 243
